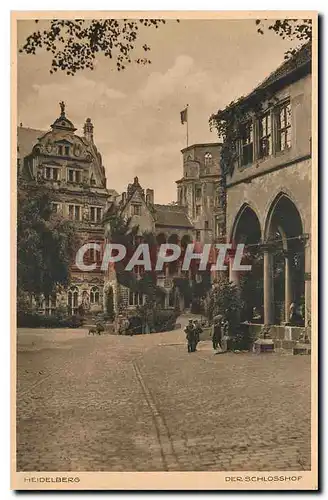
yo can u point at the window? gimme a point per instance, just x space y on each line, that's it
208 159
198 210
265 145
72 300
198 192
67 150
197 235
55 207
284 127
135 299
95 214
206 224
94 252
94 295
136 209
171 298
60 150
92 255
247 143
50 303
51 173
74 175
74 212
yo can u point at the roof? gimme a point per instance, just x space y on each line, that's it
172 215
199 145
63 123
113 192
300 60
302 57
26 139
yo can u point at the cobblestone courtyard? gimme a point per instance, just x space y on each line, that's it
113 403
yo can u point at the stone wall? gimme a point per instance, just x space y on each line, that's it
260 192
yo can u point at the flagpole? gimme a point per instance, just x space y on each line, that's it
187 124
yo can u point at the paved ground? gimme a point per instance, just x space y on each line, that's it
113 403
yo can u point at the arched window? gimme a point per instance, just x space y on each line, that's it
94 295
72 300
50 302
136 299
208 159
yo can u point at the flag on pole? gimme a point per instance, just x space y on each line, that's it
184 115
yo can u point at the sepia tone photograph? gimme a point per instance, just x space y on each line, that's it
164 213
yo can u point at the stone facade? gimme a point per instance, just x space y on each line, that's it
168 223
268 188
71 166
200 190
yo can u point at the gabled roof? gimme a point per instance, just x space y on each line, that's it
302 57
300 61
26 139
172 215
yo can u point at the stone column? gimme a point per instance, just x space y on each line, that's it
268 287
233 275
307 287
288 285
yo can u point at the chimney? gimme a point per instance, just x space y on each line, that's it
123 198
88 130
150 196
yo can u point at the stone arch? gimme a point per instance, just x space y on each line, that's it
173 266
245 209
173 238
284 238
185 240
247 230
161 238
275 201
73 299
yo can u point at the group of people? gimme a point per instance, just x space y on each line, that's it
193 331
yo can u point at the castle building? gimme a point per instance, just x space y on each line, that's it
71 167
268 192
168 224
200 191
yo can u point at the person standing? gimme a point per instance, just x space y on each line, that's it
198 331
190 335
217 332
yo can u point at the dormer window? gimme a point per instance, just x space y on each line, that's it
60 150
208 159
66 150
136 209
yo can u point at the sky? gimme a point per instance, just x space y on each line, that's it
136 113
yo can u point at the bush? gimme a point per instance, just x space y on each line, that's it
35 320
160 320
164 320
243 338
224 299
